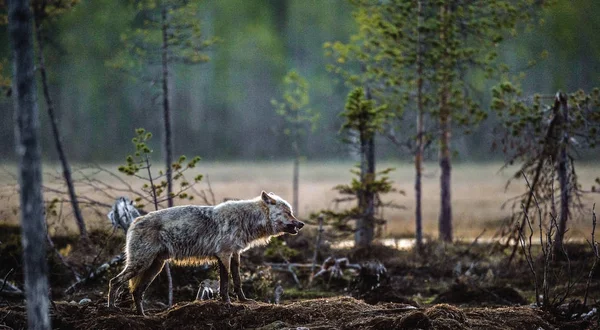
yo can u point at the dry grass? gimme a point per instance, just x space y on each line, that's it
478 191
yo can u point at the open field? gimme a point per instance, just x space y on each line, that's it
478 192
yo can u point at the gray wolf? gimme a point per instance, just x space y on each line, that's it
192 235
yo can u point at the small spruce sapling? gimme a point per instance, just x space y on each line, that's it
362 119
155 187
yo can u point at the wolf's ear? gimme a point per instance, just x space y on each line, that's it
266 198
271 193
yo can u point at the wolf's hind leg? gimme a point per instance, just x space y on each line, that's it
140 283
224 268
117 282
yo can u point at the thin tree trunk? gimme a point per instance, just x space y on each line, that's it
562 172
296 162
168 143
420 129
365 226
27 126
295 183
445 220
56 135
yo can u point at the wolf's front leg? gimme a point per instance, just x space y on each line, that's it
224 268
237 281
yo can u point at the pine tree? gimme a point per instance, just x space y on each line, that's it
170 32
362 120
420 56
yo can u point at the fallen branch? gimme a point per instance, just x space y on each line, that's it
96 273
288 268
335 267
12 291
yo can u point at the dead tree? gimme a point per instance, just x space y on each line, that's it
545 139
40 14
30 169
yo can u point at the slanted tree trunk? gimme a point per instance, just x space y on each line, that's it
563 175
420 129
56 134
168 141
445 220
33 235
365 224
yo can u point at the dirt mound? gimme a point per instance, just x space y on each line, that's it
338 313
508 318
461 293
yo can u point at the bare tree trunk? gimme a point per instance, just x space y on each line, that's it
446 206
168 142
365 224
56 135
445 220
420 129
295 183
562 172
296 162
27 125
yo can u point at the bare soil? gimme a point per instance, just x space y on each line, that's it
332 313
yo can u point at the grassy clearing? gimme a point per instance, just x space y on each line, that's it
478 192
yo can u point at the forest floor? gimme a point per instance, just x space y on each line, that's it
446 286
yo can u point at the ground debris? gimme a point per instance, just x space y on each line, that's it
471 294
326 313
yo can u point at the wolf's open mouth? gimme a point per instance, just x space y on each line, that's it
291 229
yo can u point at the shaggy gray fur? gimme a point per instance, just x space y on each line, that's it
196 234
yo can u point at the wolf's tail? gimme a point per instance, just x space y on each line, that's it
123 213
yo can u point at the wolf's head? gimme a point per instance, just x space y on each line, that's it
281 215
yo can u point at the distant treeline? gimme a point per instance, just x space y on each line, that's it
222 109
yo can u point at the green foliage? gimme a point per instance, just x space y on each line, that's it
44 9
361 114
526 120
278 249
154 188
294 107
452 43
143 43
378 184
